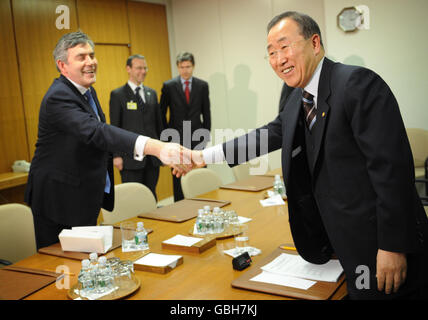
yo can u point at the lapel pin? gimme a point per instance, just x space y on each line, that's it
323 114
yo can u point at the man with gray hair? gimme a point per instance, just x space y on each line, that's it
135 107
71 174
347 165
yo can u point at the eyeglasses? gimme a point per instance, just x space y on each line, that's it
284 49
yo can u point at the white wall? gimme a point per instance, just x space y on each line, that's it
395 47
228 39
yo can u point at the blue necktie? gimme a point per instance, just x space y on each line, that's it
91 101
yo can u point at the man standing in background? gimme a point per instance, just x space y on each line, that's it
187 98
134 107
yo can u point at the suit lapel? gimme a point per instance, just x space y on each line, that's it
194 86
180 90
82 98
322 109
290 114
100 111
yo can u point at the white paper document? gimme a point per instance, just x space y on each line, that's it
244 219
275 200
180 240
159 260
295 266
282 280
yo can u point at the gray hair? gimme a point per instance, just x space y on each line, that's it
67 41
135 56
307 25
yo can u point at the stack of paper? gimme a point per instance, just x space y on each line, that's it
97 239
293 271
159 260
180 240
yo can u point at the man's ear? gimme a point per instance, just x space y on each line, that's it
60 64
316 43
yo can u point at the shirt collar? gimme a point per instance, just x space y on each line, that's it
183 81
134 86
81 89
312 86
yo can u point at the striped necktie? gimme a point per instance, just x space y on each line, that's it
309 108
91 101
139 98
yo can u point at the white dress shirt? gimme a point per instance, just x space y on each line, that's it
134 86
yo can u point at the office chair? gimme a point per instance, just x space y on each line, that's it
418 139
199 181
130 200
17 238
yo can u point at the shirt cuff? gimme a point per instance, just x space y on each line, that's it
140 144
213 154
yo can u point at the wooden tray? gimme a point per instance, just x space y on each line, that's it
321 290
254 183
228 233
182 210
116 295
161 270
199 247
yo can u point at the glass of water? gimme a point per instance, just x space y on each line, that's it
128 230
242 237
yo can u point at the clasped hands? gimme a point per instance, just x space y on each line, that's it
179 158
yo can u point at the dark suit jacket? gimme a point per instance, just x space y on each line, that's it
360 194
145 120
174 98
68 171
285 93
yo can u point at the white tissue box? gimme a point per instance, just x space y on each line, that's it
97 239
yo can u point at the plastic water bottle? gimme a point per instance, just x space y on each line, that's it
141 237
104 280
278 185
85 279
93 259
201 227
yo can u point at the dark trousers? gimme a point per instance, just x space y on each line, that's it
148 176
47 230
178 192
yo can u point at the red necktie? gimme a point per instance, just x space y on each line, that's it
187 91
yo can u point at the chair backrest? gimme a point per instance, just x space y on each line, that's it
418 139
242 171
17 238
130 200
199 181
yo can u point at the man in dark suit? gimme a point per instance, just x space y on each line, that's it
135 107
347 166
187 98
71 174
285 93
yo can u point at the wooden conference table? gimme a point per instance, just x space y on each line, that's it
205 276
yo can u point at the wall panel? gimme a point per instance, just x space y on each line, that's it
105 21
36 37
13 138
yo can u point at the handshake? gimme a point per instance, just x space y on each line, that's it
179 158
